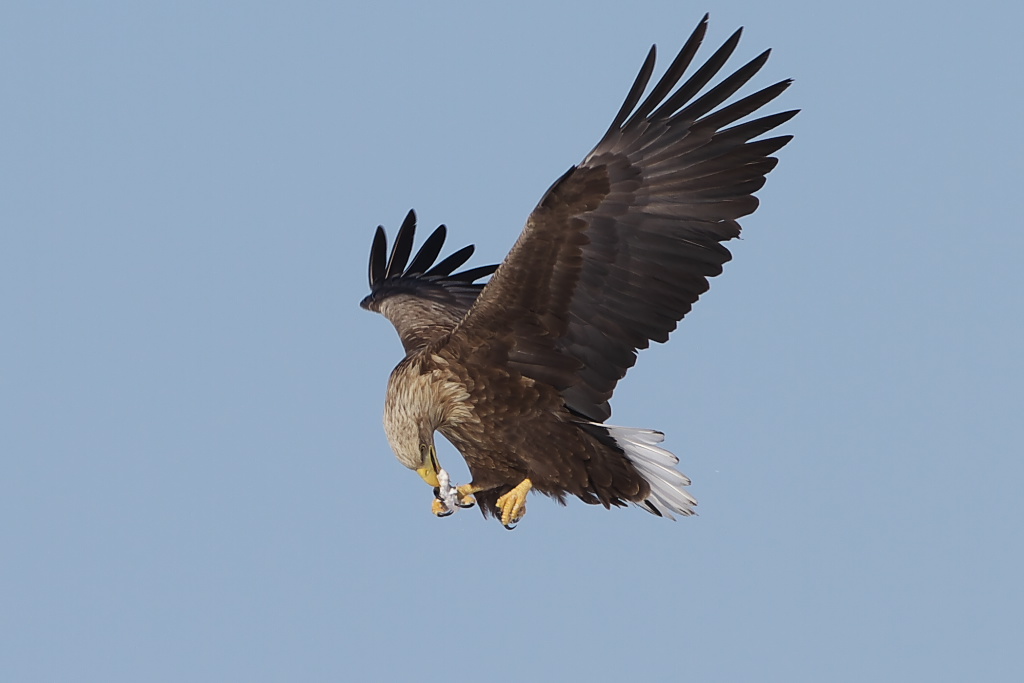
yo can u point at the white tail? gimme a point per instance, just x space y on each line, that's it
657 467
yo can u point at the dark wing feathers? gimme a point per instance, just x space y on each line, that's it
422 300
402 247
475 273
668 80
428 253
453 261
698 80
635 92
620 247
377 264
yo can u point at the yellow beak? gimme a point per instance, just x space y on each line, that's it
429 471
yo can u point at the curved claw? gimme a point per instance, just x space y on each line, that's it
464 496
513 503
440 509
510 527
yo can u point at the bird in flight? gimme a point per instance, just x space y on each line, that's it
517 372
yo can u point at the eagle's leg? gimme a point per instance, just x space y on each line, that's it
513 504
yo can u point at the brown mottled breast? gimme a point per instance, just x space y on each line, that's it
509 427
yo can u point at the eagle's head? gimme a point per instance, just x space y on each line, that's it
409 428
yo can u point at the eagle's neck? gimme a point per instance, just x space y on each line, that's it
423 390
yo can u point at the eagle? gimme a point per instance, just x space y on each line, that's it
517 372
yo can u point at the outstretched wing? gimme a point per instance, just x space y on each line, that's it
620 247
422 300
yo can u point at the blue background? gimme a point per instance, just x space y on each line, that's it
195 485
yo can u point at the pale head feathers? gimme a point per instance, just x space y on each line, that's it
419 400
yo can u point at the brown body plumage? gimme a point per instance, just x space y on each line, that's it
518 374
506 425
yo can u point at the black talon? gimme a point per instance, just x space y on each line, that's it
446 513
437 493
465 506
510 527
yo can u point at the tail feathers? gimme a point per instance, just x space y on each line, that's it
656 466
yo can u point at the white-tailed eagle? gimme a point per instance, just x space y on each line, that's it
517 373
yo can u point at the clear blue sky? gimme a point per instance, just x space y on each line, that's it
195 485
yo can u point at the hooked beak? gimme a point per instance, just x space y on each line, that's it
429 471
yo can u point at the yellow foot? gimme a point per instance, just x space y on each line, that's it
463 498
465 495
440 509
513 504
